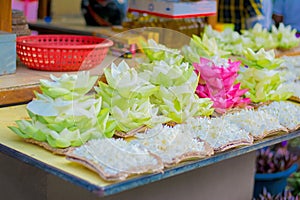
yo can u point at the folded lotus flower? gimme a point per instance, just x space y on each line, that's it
230 40
260 37
166 72
218 77
127 96
179 104
125 81
261 59
263 85
158 52
221 105
67 86
64 115
203 47
176 82
137 115
286 36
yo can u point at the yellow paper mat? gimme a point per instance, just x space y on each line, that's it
8 115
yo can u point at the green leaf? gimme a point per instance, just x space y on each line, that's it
55 92
56 127
18 132
58 142
39 136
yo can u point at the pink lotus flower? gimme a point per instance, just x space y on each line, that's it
217 83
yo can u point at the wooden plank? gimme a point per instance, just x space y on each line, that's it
18 88
5 15
17 95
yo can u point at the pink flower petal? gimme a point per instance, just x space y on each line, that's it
219 84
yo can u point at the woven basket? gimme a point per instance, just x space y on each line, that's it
62 52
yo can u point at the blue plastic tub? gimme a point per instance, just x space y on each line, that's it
275 183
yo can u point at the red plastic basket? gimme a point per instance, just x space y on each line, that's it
62 52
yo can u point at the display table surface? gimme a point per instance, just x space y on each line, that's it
14 146
18 87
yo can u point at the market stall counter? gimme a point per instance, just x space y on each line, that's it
29 171
210 178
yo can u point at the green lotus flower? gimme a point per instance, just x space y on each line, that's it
68 118
260 38
162 73
261 60
262 85
203 47
155 51
127 96
126 82
68 86
180 105
286 36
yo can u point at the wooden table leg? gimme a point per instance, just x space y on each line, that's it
5 15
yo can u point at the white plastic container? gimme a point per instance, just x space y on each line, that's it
174 9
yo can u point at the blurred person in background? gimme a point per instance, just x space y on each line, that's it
244 14
104 12
267 8
287 12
